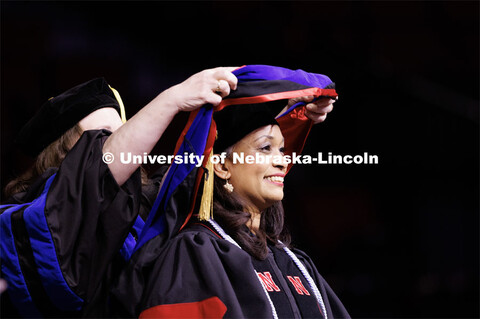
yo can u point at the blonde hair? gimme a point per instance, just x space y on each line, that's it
51 156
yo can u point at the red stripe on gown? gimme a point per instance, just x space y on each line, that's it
211 307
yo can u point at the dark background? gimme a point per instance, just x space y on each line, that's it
397 239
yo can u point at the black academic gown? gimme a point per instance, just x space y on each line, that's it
68 236
197 274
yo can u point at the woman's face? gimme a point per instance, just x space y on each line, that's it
260 184
104 118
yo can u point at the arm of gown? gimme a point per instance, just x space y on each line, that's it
335 308
195 275
89 214
60 245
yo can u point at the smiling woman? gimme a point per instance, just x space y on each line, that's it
261 182
237 263
252 205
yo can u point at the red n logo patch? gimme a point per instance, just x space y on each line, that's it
297 284
267 281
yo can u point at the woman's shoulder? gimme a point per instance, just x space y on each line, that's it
200 239
301 255
33 191
201 233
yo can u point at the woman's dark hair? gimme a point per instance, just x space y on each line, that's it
228 209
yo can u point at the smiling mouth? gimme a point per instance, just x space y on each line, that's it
275 179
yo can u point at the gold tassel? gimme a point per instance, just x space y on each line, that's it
206 206
120 103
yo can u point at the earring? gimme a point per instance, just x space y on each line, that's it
228 186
